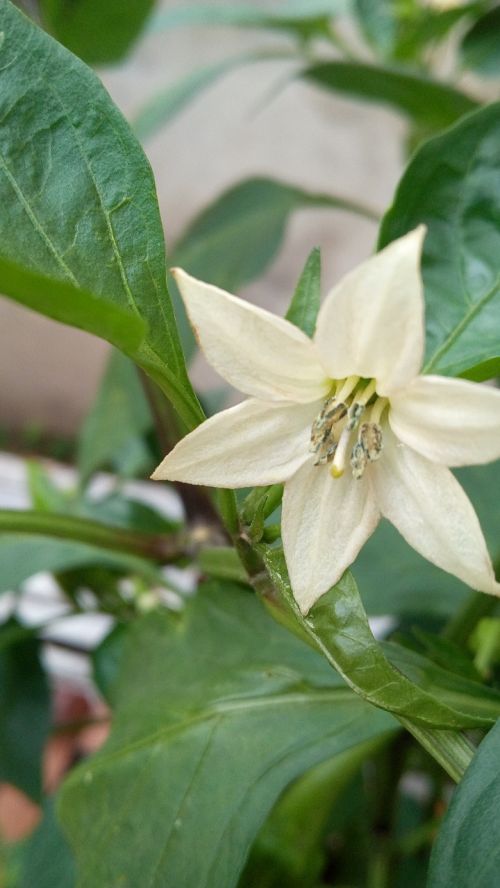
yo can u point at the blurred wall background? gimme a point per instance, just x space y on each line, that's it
49 373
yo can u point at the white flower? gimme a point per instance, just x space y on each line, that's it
346 422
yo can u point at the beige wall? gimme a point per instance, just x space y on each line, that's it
48 372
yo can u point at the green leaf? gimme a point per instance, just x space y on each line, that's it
305 303
423 100
97 32
234 239
67 303
452 186
45 859
480 48
338 627
291 848
79 207
217 709
24 710
120 414
409 586
467 850
453 690
302 18
22 555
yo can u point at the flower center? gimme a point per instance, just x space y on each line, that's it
337 433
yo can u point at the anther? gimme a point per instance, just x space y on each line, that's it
359 459
354 415
370 437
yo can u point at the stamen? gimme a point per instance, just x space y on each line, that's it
359 459
378 409
366 394
348 386
325 452
354 415
370 437
337 469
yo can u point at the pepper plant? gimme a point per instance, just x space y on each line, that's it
261 735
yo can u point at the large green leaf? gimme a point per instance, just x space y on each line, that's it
337 626
427 102
78 204
453 186
97 32
24 710
292 846
467 851
216 711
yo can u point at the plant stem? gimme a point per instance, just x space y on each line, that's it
450 749
158 547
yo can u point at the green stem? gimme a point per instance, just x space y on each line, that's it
450 749
159 547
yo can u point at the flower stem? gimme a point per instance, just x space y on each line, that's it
450 749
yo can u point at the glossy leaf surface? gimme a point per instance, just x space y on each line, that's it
338 627
452 186
77 185
467 850
217 709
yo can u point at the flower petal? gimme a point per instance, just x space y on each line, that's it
256 351
450 421
427 505
325 523
372 323
254 443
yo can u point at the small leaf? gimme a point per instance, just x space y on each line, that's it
425 101
302 18
338 626
467 850
97 32
451 185
305 303
480 48
216 710
24 710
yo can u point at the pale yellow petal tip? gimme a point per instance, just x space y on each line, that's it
158 475
336 472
